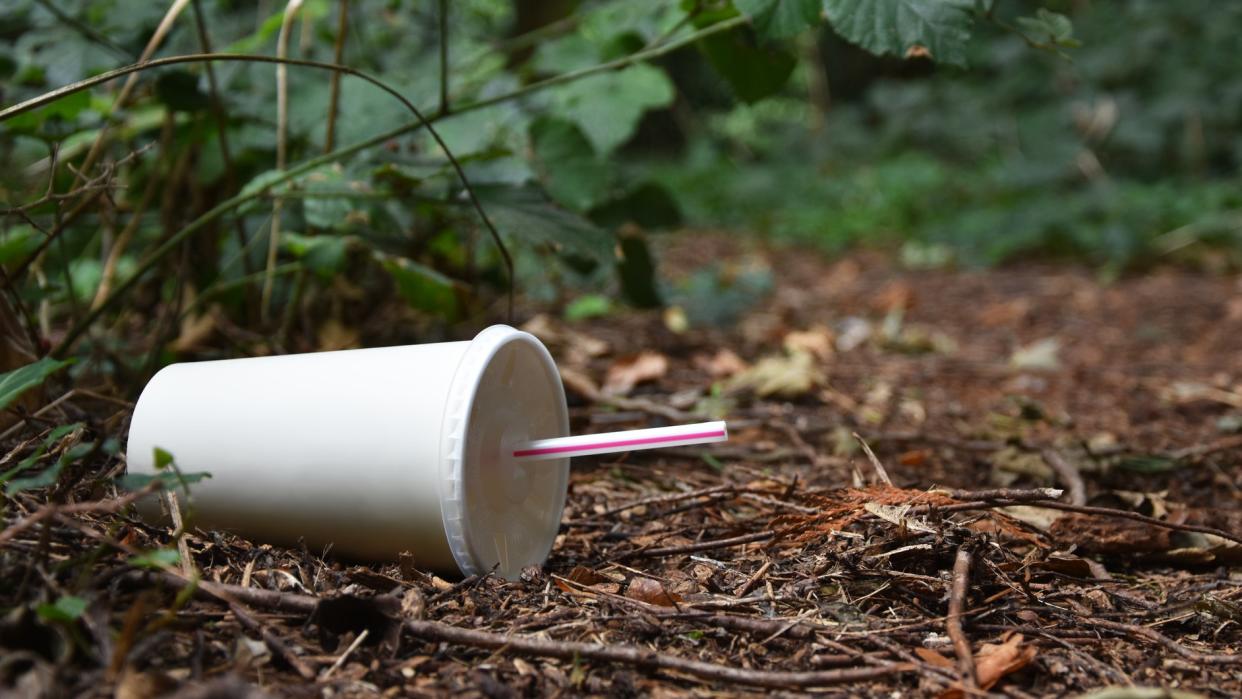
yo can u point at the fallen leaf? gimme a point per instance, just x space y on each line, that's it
1041 518
144 685
1152 504
934 657
249 653
1066 565
27 674
578 382
918 340
1229 423
1004 312
896 514
1110 535
723 364
1010 464
334 335
1182 392
1037 356
994 661
816 341
576 346
195 331
790 375
544 327
580 347
628 372
917 457
853 332
585 576
675 320
651 592
895 296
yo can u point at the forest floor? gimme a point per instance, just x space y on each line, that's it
787 559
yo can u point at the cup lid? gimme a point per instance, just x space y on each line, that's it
501 515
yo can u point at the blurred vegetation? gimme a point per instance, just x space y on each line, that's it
963 131
1118 152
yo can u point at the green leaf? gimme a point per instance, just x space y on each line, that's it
1050 27
753 71
66 109
66 610
567 164
421 286
897 26
649 205
637 273
780 19
51 474
59 433
565 54
178 89
1148 464
588 306
607 106
324 255
156 559
162 459
17 243
526 215
261 182
171 480
498 167
14 383
322 205
50 440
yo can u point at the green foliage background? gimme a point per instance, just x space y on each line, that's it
1117 152
962 131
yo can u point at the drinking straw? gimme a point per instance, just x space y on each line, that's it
629 440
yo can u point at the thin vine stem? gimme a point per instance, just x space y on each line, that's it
83 324
334 88
444 48
340 154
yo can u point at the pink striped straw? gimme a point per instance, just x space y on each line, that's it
632 440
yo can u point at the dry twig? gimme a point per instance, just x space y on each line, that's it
1068 474
957 607
875 463
568 650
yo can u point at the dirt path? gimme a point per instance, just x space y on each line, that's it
782 560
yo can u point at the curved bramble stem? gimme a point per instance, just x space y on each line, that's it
81 326
344 152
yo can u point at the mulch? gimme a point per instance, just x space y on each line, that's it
942 510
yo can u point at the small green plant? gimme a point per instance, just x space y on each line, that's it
440 172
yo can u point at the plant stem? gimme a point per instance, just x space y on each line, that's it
338 57
313 163
164 248
222 122
282 149
161 31
444 67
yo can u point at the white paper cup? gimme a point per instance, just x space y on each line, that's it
371 452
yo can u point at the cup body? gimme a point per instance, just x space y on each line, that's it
363 453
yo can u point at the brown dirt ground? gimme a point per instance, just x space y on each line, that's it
1143 402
